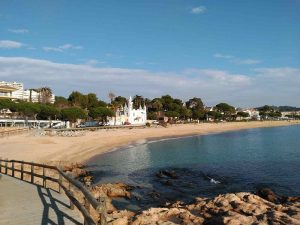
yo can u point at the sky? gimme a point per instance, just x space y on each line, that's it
246 53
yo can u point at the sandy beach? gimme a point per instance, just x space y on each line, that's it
44 149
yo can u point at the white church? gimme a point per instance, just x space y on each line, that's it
127 115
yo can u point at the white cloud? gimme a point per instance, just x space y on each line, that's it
212 85
69 46
247 61
62 48
218 55
237 60
10 44
48 49
139 63
198 10
94 62
18 31
279 72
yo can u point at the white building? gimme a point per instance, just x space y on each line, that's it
130 116
253 114
15 91
11 90
286 115
35 96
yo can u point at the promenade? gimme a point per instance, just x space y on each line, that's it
22 203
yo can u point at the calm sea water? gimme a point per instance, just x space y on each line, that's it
208 165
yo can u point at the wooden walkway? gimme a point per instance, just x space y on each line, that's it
22 203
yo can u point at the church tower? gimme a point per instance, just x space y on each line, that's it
130 104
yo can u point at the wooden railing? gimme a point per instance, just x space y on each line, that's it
39 174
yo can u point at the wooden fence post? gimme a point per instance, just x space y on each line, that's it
44 174
60 180
6 166
87 206
12 168
71 203
32 172
22 170
0 165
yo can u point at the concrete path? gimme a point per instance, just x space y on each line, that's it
22 203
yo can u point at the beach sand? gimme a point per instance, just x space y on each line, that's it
44 149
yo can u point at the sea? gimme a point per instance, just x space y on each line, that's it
165 171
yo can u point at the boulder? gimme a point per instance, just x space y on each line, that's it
232 209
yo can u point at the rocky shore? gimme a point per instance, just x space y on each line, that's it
243 208
234 209
262 208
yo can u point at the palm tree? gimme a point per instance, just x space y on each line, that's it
114 106
157 105
138 101
45 94
31 91
147 102
111 96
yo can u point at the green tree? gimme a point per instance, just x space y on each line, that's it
195 104
275 114
61 102
48 112
7 104
147 102
120 100
172 114
185 113
268 111
138 101
101 113
92 100
28 109
114 106
198 114
214 115
227 110
72 114
242 114
166 101
151 116
78 99
155 105
102 103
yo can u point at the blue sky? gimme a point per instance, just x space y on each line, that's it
248 52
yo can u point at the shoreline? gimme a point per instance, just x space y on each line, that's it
171 137
46 149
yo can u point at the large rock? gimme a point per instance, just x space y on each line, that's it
119 217
116 190
232 209
268 194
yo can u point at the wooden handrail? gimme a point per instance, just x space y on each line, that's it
99 206
87 194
